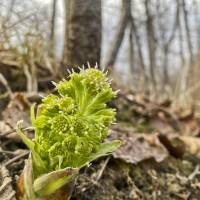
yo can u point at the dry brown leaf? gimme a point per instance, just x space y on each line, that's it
161 125
192 144
177 145
161 116
138 147
4 127
16 110
189 126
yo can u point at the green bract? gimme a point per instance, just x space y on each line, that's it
70 127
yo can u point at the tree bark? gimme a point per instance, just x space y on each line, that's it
82 33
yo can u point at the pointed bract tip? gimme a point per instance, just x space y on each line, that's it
96 66
69 72
88 65
117 91
54 83
81 69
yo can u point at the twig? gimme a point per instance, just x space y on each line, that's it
102 169
195 172
28 78
17 23
7 152
5 183
14 130
5 83
93 182
16 158
4 95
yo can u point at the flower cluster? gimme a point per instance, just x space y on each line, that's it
70 127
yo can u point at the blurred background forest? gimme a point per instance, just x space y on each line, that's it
151 46
151 49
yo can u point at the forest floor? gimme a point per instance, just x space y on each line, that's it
159 157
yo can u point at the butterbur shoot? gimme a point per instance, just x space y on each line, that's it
70 129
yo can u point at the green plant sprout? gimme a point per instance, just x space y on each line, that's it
70 129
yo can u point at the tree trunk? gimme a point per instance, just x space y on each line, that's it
165 66
166 47
82 33
131 52
124 19
144 77
52 33
180 35
188 36
151 41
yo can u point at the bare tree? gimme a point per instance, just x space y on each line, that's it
10 10
187 29
196 19
151 41
124 20
180 34
144 78
83 32
131 50
167 45
52 32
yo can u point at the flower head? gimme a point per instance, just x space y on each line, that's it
70 127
